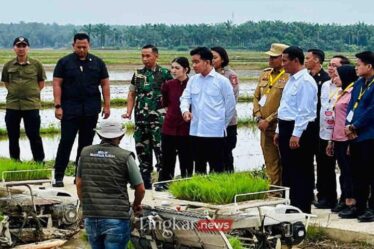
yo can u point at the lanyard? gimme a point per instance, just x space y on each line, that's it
343 92
272 81
332 95
362 92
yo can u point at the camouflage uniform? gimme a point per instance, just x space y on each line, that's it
149 116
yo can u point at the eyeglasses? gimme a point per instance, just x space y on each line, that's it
21 45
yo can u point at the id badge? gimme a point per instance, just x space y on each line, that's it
350 116
263 100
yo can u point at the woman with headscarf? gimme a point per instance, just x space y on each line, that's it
338 145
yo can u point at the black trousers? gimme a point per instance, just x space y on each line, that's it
31 121
298 168
208 150
344 163
84 126
230 144
363 173
326 177
171 146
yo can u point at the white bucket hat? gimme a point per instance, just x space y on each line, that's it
110 129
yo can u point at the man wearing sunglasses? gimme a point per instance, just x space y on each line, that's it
24 79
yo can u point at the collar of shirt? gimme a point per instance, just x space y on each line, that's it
88 57
155 69
297 75
15 61
212 73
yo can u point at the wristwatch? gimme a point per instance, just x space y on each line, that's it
57 106
258 119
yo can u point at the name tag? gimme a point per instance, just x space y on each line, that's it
263 100
350 116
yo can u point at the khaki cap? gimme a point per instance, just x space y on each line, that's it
276 49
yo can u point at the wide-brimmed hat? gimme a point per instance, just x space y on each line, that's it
276 49
110 129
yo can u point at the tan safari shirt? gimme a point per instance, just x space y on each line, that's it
22 82
269 110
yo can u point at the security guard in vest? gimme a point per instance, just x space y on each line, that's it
104 170
266 101
24 79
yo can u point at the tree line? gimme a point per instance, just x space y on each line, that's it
249 35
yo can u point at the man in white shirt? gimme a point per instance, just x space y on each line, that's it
294 134
211 99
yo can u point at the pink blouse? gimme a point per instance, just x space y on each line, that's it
340 112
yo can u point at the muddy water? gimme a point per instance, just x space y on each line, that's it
120 90
48 115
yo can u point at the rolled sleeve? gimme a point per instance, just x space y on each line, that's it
134 173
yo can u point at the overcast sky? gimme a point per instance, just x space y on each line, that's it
137 12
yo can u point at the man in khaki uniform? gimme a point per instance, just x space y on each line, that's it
24 79
266 101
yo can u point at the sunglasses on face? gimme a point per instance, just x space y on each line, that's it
21 45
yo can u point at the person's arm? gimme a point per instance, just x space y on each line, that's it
229 100
164 92
185 102
41 76
306 99
78 182
366 118
131 97
5 76
137 181
105 87
57 82
256 99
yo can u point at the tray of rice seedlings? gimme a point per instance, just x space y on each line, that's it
23 172
220 189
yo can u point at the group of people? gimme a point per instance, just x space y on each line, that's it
307 115
303 114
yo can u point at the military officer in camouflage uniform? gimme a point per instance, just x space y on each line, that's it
266 101
145 95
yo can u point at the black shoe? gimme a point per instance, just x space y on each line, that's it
58 184
161 187
339 207
349 213
325 204
368 216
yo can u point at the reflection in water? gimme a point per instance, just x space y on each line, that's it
247 154
48 115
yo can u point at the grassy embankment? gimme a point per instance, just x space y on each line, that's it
11 165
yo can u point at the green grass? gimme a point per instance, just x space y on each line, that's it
235 243
316 233
11 165
219 188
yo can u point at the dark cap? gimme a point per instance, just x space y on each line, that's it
21 39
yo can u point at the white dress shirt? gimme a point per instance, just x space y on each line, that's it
299 101
212 103
329 94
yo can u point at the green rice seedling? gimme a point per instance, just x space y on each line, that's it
22 170
219 188
235 243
